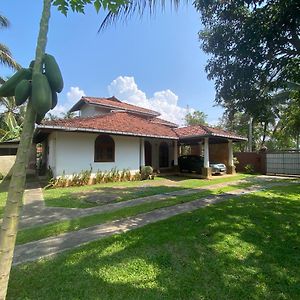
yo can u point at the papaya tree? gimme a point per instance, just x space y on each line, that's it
17 183
37 106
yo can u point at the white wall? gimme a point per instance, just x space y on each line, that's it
73 152
91 110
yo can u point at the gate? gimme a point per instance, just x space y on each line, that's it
285 162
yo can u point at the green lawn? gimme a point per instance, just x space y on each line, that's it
3 195
74 197
53 229
244 248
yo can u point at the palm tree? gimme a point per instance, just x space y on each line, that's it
139 7
5 55
11 119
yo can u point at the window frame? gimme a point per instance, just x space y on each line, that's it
104 143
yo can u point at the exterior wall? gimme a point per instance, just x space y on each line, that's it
74 152
91 110
257 160
6 163
155 152
218 153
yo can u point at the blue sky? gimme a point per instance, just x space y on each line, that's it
154 62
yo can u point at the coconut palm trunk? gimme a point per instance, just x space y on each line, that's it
16 188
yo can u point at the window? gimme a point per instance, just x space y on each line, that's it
104 149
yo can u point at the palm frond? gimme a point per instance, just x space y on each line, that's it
4 22
139 7
7 59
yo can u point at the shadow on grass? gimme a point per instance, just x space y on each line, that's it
77 198
245 248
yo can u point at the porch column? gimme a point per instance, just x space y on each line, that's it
175 153
206 172
231 167
142 152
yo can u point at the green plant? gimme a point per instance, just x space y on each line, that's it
1 176
249 169
136 177
235 161
146 172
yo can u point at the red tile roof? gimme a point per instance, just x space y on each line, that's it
205 131
115 122
113 103
163 122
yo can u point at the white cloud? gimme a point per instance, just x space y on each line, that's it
74 94
165 102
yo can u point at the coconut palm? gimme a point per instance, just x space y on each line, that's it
5 54
139 7
11 119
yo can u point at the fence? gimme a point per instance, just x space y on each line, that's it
281 162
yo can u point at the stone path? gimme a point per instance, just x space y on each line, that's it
49 246
53 245
35 212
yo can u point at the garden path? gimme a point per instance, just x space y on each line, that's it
35 212
53 245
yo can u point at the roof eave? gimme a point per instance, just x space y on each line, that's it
91 130
235 138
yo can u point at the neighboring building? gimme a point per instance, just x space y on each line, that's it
8 152
109 133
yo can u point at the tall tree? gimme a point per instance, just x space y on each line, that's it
6 58
254 47
17 183
195 118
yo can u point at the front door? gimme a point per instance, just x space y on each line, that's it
163 155
148 154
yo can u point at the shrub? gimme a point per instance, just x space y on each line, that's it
1 176
249 169
146 172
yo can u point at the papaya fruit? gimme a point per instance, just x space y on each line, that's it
7 89
41 94
53 73
22 91
54 99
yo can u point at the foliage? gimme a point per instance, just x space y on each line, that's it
85 177
79 5
6 58
11 119
195 118
146 172
1 176
249 169
255 49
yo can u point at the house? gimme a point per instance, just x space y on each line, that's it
110 133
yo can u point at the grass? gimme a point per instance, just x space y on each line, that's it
73 197
54 229
244 248
3 195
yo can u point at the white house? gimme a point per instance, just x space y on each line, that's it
109 133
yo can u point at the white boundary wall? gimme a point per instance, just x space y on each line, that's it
283 163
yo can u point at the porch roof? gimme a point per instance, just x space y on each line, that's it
196 132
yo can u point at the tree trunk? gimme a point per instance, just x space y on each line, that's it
16 187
